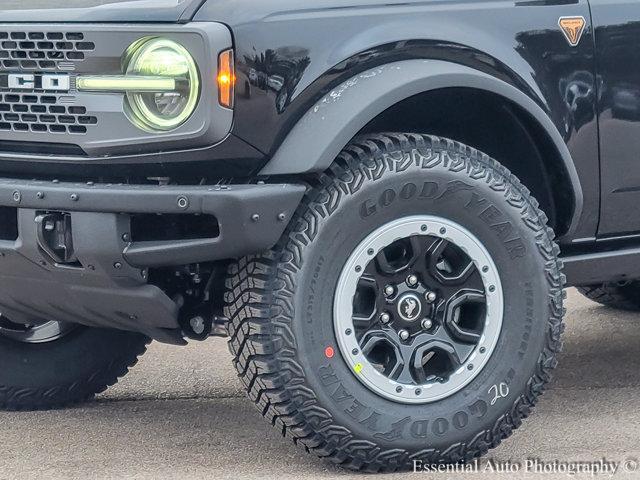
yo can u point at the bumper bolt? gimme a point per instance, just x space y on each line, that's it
40 195
404 335
385 318
427 324
183 202
117 265
412 280
74 197
125 237
389 290
255 217
17 196
282 217
430 297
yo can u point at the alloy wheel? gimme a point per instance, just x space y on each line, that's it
418 309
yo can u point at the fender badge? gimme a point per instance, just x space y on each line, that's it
573 28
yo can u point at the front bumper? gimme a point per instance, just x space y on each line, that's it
106 284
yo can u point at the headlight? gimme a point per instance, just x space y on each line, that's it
158 60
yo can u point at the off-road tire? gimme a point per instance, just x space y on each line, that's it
278 335
65 371
620 296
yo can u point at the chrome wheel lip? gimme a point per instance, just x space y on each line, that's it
42 333
423 225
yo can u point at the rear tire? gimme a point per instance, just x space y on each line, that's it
284 337
66 370
619 296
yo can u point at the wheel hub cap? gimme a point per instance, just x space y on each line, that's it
409 307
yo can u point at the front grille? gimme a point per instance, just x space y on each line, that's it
33 50
42 113
40 52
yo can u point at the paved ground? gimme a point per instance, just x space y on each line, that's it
181 414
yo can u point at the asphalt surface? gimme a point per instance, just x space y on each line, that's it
181 413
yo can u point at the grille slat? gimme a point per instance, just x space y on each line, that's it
56 118
40 51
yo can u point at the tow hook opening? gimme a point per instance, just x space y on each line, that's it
55 238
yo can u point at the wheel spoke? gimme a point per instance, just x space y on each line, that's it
365 318
383 263
361 321
368 281
418 251
403 373
459 351
464 274
436 249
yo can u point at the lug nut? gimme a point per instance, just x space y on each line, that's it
427 324
430 297
385 317
412 280
404 335
389 290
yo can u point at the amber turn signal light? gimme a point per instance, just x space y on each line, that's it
226 78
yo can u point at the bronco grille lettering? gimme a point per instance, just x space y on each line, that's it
28 81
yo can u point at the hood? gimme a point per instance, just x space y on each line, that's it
48 11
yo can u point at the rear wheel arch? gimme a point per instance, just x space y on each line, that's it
352 107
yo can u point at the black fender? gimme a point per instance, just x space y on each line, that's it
334 120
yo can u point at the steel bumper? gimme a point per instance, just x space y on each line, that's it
107 286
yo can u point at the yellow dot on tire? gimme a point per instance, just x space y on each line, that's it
357 367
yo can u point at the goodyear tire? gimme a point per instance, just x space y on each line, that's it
55 365
412 313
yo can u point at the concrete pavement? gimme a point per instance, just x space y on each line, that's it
181 413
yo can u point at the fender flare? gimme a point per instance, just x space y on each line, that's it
330 125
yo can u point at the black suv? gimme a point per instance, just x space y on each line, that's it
379 202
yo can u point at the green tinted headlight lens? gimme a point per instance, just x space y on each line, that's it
166 109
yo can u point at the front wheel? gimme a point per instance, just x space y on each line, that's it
411 315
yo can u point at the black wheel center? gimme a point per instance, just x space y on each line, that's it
419 309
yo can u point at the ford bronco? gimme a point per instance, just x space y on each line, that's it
380 203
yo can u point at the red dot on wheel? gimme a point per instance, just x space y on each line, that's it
329 352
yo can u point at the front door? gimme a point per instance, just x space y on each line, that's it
617 39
